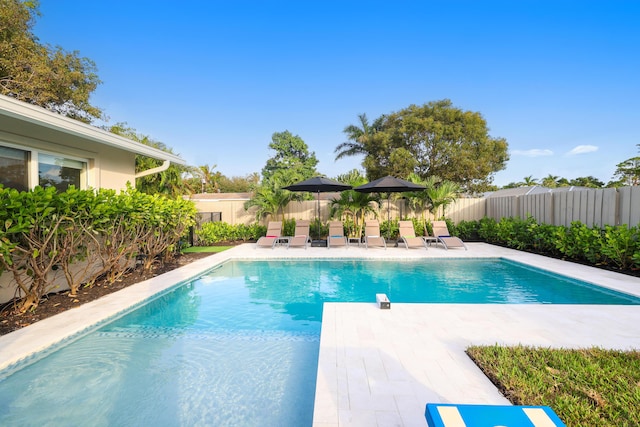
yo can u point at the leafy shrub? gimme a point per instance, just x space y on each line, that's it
288 227
211 233
317 228
542 238
579 242
621 246
390 228
615 245
44 229
488 230
468 230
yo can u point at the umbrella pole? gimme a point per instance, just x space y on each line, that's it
388 216
318 218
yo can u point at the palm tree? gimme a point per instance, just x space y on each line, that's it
358 137
353 203
420 200
443 195
270 198
529 181
550 181
208 177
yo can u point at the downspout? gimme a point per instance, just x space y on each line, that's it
165 165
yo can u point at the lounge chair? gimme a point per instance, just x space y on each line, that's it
336 235
372 235
301 235
408 236
441 235
274 230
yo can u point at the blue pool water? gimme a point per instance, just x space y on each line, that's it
239 345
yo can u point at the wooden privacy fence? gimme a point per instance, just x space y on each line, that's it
232 211
593 207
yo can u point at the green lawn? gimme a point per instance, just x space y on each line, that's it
587 387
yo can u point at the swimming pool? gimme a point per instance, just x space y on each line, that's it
239 345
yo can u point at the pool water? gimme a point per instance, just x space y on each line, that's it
239 345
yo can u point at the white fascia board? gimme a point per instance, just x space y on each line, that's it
11 107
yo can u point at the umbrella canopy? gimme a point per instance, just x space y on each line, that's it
389 185
318 184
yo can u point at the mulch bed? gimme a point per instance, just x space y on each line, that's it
56 303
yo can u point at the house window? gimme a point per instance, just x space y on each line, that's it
14 171
60 172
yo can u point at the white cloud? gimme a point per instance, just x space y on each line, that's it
536 152
582 149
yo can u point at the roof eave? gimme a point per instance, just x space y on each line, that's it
37 115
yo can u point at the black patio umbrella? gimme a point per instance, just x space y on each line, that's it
318 184
389 185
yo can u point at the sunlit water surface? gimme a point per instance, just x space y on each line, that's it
239 345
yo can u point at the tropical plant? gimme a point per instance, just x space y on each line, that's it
216 232
168 182
45 229
353 204
270 198
442 195
358 138
419 201
550 181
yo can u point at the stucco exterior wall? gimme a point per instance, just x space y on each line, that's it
115 168
108 167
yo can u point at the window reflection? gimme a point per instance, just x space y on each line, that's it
13 168
59 172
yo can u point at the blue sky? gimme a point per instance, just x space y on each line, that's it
560 80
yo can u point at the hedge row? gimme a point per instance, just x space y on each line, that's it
85 233
615 246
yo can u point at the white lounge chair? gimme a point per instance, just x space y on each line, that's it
441 235
274 231
301 236
372 235
336 235
407 235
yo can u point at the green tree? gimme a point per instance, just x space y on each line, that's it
203 179
433 139
628 171
512 185
529 181
168 182
587 181
238 184
292 153
38 74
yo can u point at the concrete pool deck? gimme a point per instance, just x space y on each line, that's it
380 367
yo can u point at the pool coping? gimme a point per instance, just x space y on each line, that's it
19 346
